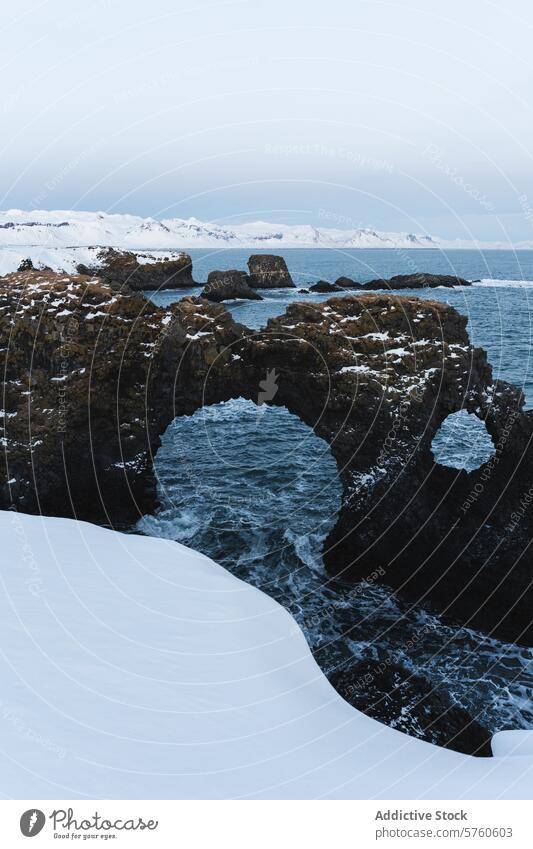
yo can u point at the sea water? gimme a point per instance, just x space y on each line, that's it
257 490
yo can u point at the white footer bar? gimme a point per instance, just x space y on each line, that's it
265 824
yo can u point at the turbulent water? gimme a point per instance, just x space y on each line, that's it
257 491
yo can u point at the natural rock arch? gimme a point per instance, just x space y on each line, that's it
93 377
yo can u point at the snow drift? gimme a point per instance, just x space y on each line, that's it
134 667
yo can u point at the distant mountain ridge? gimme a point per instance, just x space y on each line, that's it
64 228
61 239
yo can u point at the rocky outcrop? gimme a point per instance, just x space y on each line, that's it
347 283
25 265
69 344
420 280
93 376
269 272
322 286
227 285
396 696
122 270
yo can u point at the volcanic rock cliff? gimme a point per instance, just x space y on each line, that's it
122 270
93 376
269 272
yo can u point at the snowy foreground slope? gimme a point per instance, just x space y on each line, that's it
136 668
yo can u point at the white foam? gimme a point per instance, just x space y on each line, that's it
507 284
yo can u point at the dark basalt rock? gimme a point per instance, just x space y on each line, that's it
25 265
324 286
269 272
420 280
122 270
93 376
303 291
226 285
59 416
347 283
392 694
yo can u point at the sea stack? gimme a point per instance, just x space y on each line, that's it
227 285
269 272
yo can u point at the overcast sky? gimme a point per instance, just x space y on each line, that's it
408 115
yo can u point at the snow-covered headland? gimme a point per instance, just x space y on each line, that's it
62 239
133 667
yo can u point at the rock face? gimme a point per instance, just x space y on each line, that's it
347 283
25 265
269 272
226 285
324 286
419 280
58 418
93 377
390 693
122 269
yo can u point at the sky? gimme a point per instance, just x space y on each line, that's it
413 115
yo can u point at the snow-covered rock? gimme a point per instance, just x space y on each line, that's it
134 667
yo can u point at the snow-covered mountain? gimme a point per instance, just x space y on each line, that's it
133 667
62 239
66 228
